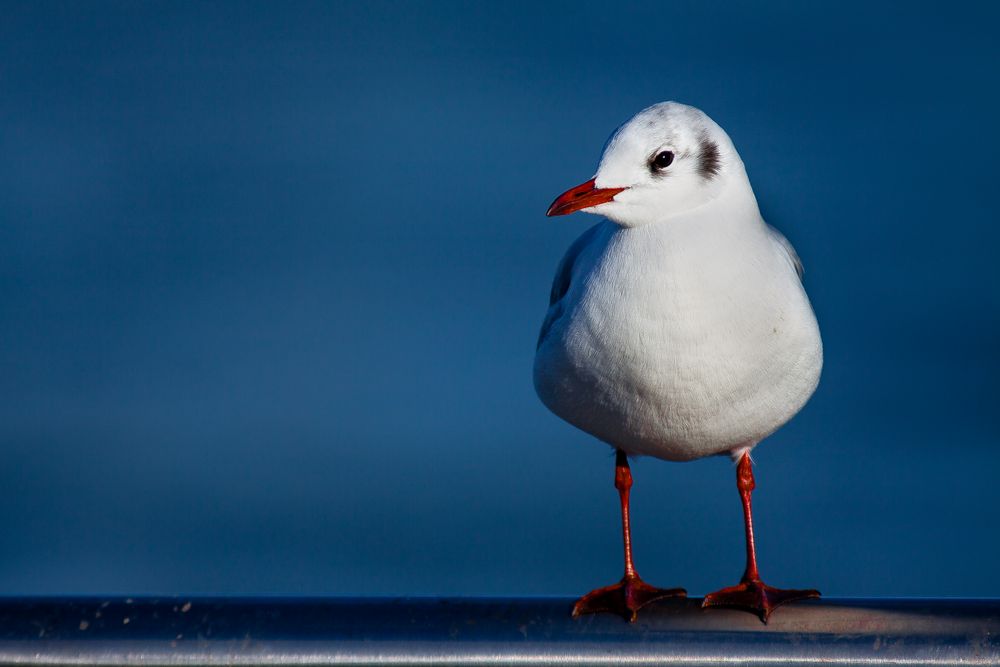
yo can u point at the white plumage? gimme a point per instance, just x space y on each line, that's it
679 328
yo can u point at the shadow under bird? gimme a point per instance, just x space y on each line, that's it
679 327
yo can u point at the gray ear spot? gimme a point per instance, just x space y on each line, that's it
709 160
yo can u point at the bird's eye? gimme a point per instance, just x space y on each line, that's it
662 160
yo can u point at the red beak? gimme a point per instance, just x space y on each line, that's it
582 196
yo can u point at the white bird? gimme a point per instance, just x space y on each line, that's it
679 327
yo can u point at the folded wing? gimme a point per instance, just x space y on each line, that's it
562 281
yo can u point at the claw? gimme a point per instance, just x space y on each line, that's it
756 597
625 598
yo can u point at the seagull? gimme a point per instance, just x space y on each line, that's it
678 327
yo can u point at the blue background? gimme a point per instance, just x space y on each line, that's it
271 278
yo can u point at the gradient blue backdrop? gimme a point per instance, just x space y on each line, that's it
271 277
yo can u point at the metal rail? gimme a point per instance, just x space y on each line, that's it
539 631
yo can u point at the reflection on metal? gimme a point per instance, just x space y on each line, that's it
312 631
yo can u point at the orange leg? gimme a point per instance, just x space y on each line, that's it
631 593
752 594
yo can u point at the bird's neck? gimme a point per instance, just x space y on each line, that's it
732 210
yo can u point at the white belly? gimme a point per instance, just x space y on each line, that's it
689 357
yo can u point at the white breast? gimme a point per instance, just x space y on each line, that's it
681 340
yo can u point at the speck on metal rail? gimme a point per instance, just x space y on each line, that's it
503 631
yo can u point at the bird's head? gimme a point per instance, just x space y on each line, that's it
668 159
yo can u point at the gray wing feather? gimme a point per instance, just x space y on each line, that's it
793 256
561 283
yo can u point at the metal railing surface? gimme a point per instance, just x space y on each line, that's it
503 631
